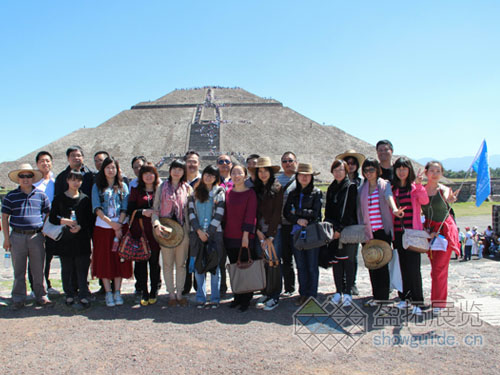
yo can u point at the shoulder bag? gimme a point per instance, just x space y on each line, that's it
246 277
351 234
134 249
414 239
314 235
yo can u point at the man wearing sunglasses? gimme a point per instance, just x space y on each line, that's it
287 180
225 164
23 210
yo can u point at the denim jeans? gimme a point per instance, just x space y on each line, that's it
308 271
201 292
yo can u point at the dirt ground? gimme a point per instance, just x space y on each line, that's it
158 339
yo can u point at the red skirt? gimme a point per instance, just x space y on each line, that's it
105 263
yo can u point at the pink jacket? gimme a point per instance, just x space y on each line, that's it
419 197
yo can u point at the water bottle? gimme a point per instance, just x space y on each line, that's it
116 245
73 216
6 260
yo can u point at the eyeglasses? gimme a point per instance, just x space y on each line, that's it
25 175
370 170
223 161
288 161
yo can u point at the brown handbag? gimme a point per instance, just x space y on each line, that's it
246 277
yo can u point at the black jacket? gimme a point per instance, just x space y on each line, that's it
73 243
88 181
310 209
335 200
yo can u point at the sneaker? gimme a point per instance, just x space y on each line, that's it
354 290
85 303
144 302
212 306
110 302
402 305
370 303
261 302
437 310
70 301
16 306
337 298
53 291
271 304
118 298
200 305
263 299
45 302
416 311
152 300
288 294
347 300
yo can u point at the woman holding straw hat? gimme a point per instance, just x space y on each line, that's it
269 206
303 207
171 201
375 209
438 221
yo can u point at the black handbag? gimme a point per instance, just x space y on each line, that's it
207 259
314 235
273 273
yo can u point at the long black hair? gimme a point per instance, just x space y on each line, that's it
201 191
405 163
308 189
102 182
269 188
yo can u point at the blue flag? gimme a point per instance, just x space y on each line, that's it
483 182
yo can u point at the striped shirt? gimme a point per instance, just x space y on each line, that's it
374 211
26 210
403 199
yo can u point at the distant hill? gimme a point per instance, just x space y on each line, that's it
462 163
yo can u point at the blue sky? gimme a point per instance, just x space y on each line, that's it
424 74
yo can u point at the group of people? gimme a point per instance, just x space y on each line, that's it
225 213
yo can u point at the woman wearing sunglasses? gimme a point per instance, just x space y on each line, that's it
375 210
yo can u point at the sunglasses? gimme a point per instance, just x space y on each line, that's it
288 161
223 161
25 175
370 170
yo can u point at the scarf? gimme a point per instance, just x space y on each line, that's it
173 201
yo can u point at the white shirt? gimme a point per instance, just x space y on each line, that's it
47 186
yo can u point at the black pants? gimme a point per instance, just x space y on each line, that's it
222 266
468 252
141 274
242 298
286 259
343 269
75 267
409 261
379 278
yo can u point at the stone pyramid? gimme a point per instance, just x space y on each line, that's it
211 120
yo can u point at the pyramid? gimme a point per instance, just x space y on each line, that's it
211 120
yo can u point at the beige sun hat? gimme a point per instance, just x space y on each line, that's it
25 167
174 238
265 162
306 168
376 254
352 153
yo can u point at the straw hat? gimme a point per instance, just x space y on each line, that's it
351 153
306 168
176 235
265 162
25 167
376 254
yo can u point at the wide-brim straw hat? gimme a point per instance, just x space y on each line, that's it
174 238
376 254
352 153
306 168
37 175
265 162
